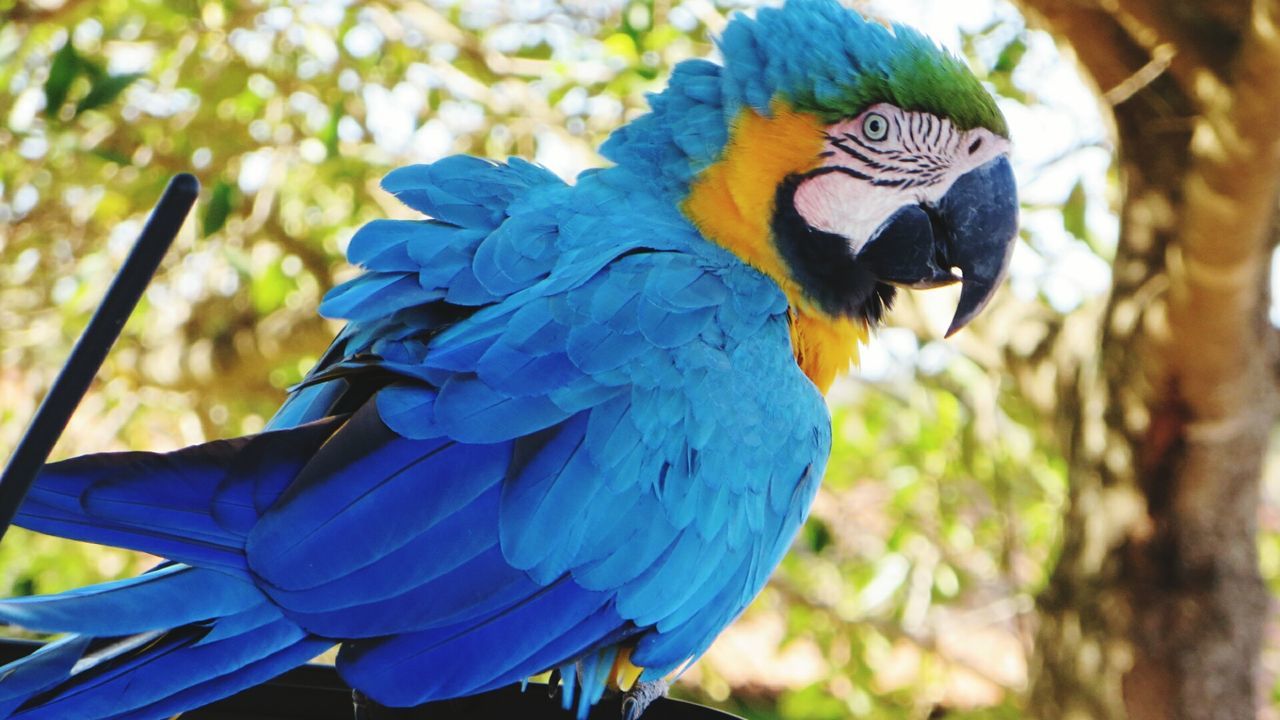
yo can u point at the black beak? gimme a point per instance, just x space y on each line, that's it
971 228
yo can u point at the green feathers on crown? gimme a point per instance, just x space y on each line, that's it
828 60
814 55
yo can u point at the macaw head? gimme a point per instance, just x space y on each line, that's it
841 157
899 198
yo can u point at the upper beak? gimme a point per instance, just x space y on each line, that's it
971 228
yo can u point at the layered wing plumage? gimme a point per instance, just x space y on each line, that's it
624 430
557 423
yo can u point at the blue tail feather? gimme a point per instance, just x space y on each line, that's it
182 635
39 671
172 596
225 636
222 686
193 505
173 671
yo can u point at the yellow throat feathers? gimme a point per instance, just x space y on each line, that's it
731 203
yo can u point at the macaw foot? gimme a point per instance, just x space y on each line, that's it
641 696
360 709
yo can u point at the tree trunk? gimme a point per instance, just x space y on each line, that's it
1155 608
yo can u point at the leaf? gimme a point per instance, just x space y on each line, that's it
111 155
270 289
623 46
540 51
66 65
92 69
104 90
813 702
818 534
1073 212
218 208
1010 56
329 134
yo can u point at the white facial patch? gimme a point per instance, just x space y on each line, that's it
883 160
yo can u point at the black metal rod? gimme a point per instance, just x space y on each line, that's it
94 343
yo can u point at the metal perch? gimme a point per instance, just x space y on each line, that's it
92 347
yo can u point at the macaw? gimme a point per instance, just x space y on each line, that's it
567 426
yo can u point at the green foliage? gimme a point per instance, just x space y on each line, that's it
1007 60
67 65
64 68
104 89
1073 212
1010 56
217 208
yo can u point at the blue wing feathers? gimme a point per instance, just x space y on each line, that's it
669 330
638 550
650 597
482 585
182 497
411 668
35 516
595 349
451 543
440 250
530 495
336 508
577 421
408 409
181 504
711 521
565 511
466 289
516 254
629 470
533 329
460 355
238 623
472 411
600 526
464 190
610 435
383 245
369 297
308 403
680 490
663 651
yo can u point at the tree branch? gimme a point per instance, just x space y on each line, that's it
28 13
1151 25
1220 266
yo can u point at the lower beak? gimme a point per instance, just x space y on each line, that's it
971 228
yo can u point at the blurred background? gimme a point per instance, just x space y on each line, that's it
911 591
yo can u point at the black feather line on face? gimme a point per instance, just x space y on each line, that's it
822 264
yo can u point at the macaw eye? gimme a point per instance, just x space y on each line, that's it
875 126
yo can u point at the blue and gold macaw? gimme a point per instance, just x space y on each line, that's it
567 427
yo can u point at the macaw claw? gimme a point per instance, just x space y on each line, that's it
360 706
641 695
